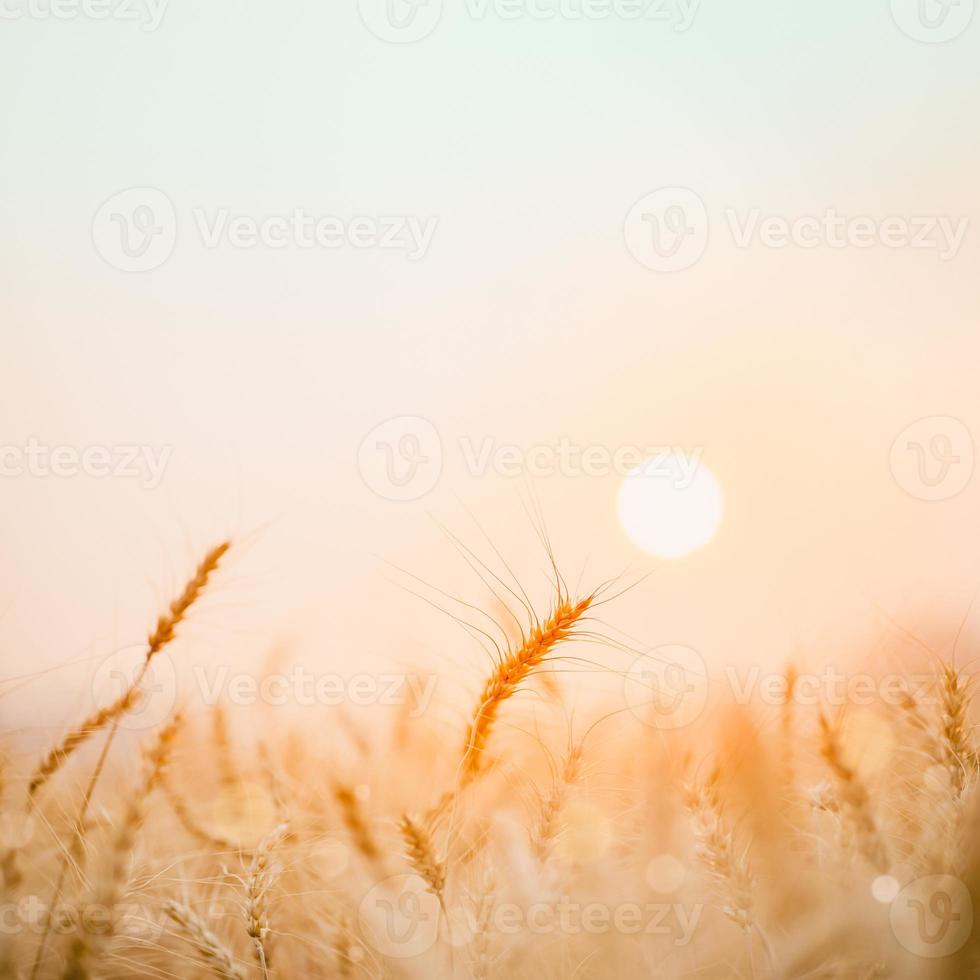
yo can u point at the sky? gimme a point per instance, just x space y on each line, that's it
484 275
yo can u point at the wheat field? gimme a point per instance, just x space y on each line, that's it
783 839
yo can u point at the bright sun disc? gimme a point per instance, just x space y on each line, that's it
671 505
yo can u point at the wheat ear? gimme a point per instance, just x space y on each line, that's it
211 949
158 639
355 822
551 807
716 848
956 752
260 878
854 797
421 854
512 671
161 635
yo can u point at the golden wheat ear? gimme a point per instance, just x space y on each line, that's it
854 798
511 672
957 753
162 634
261 877
421 854
726 863
548 823
217 956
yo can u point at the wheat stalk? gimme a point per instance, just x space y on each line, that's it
480 949
345 946
162 634
85 949
156 760
787 724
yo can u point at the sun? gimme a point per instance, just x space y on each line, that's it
670 505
